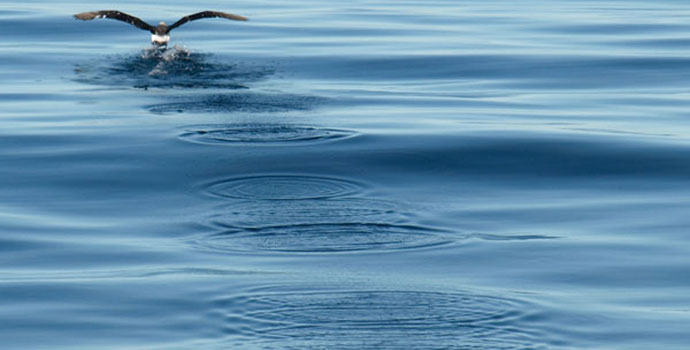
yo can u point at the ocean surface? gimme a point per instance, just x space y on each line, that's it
358 174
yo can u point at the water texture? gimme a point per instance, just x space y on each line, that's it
388 319
346 175
286 135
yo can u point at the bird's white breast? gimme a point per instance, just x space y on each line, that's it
160 39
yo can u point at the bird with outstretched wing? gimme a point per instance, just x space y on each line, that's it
160 34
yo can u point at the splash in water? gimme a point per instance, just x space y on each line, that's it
175 67
165 57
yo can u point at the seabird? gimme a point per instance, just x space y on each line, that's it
160 35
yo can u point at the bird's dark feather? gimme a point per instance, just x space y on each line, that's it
205 14
120 16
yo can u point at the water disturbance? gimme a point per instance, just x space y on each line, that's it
283 187
391 319
240 134
346 175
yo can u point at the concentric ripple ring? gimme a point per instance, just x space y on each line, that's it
283 187
228 135
391 319
324 238
251 214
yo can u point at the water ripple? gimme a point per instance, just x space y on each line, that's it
249 214
283 187
317 226
250 102
382 319
234 134
324 238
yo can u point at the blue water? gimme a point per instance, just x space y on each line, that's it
346 175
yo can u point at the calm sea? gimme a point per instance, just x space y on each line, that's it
360 174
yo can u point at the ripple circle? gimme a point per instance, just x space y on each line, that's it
248 102
324 238
283 187
386 319
261 134
250 214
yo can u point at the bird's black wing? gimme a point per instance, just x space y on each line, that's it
120 16
205 14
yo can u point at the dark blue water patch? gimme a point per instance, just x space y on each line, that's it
379 319
13 245
262 134
568 158
239 101
283 187
524 157
175 67
324 238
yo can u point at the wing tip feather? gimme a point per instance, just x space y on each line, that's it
235 17
86 16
